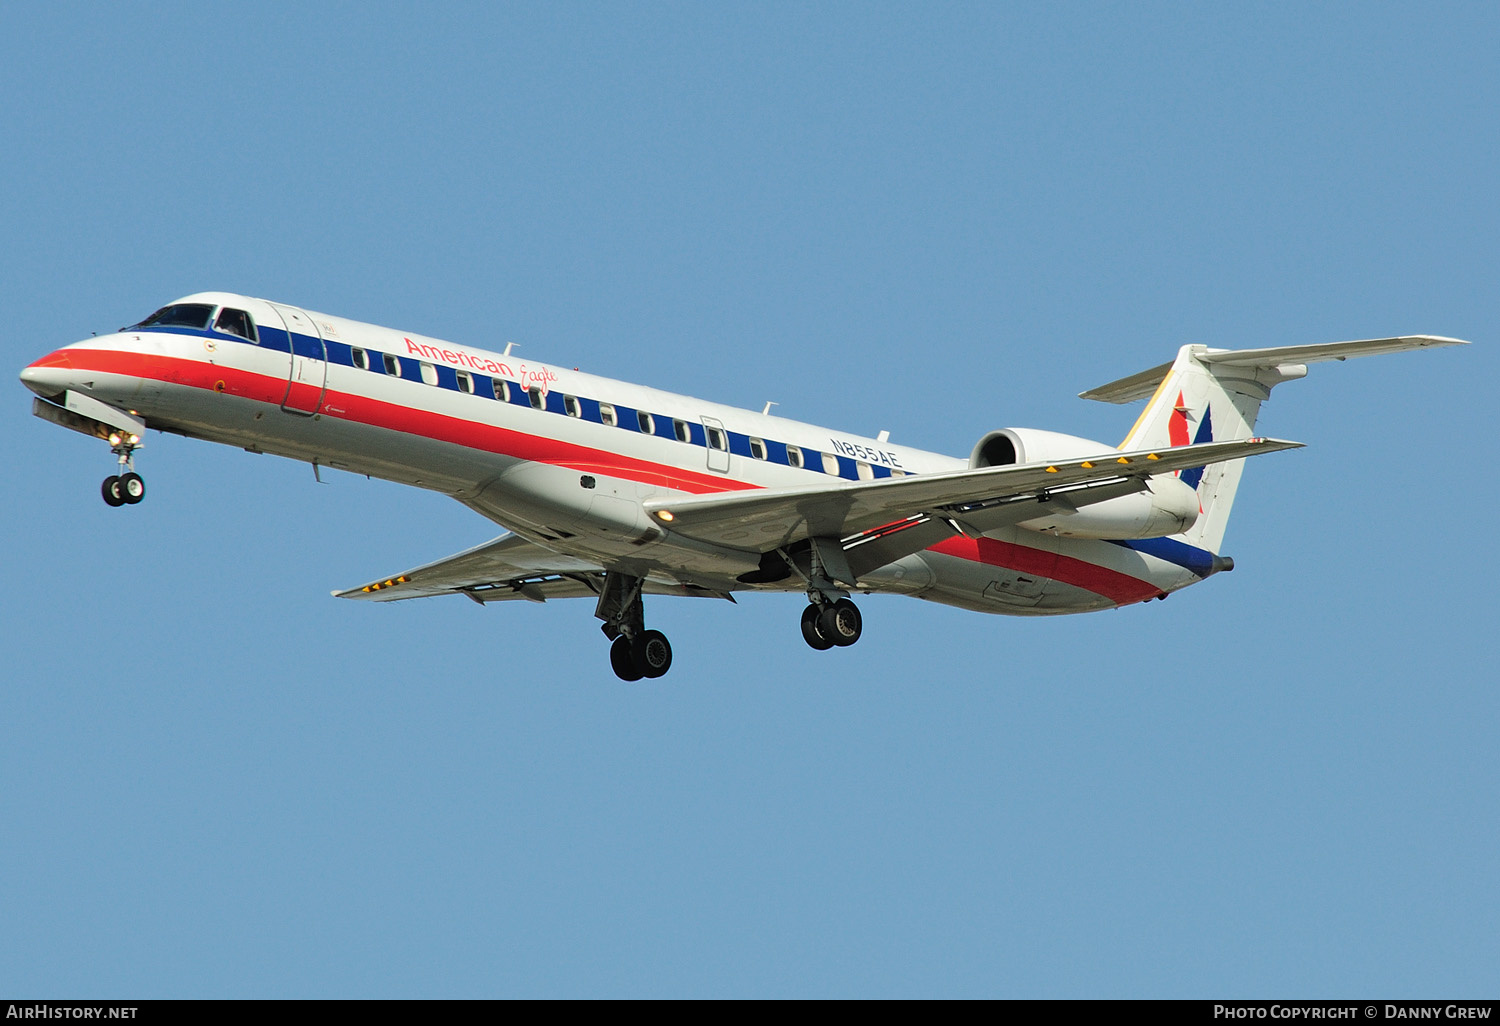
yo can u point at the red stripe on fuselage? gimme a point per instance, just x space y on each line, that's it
1118 587
424 423
1112 584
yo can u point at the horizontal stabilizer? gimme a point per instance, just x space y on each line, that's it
1126 390
1141 385
1320 352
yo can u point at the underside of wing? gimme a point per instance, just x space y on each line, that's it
507 568
768 519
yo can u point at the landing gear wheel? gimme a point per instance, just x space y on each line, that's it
812 630
652 652
113 493
622 660
132 488
841 623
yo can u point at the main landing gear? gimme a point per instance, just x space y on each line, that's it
828 624
635 651
127 488
830 619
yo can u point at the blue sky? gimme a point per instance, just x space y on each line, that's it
216 780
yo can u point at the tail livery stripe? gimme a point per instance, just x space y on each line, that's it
1193 475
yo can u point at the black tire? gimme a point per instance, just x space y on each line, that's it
112 491
622 660
653 653
841 623
132 488
812 629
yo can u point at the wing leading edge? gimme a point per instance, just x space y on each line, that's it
767 519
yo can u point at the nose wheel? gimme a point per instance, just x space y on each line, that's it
127 488
124 490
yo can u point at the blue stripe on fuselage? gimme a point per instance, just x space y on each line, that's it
1189 557
409 369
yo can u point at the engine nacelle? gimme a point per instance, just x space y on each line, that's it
1165 506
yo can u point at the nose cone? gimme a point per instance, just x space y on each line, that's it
49 376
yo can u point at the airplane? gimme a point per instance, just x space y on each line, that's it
616 491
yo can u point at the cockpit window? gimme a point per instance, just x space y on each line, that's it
235 322
179 315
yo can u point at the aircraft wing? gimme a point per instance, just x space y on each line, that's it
770 518
508 567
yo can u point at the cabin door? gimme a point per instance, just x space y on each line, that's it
718 445
307 371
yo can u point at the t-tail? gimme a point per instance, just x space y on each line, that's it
1214 395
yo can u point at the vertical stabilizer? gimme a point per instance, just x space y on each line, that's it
1214 395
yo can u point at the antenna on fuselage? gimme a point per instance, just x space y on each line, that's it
884 436
508 347
767 411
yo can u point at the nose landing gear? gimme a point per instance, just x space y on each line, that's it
127 488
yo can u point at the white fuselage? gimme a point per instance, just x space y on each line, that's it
561 457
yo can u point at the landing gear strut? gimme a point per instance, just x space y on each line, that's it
127 488
635 651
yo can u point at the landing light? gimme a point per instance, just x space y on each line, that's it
114 438
665 516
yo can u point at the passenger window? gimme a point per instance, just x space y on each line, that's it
360 359
644 421
235 322
537 402
392 366
607 415
570 406
794 457
863 471
680 429
502 390
830 464
718 439
429 372
757 448
898 473
465 383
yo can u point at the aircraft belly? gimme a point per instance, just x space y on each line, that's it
598 517
1029 574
